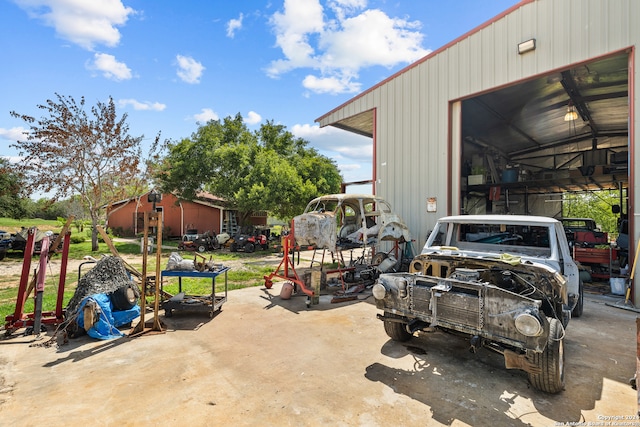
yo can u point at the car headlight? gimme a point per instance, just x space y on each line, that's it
416 267
528 324
379 291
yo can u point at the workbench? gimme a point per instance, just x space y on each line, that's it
200 303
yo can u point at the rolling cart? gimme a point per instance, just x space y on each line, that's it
198 303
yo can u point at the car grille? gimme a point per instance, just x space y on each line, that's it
457 305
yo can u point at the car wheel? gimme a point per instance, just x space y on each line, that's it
378 258
124 298
249 247
201 248
550 361
579 308
395 330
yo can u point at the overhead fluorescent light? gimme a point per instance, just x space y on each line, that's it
526 46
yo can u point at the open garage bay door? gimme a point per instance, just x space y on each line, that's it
567 131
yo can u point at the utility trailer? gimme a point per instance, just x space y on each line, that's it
590 246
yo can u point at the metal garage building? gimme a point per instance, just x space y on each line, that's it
537 102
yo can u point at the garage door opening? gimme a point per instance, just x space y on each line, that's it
524 147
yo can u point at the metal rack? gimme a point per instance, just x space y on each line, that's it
199 303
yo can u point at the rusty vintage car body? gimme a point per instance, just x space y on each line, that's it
507 283
356 220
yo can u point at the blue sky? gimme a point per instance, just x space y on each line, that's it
173 64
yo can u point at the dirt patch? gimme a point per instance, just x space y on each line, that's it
13 267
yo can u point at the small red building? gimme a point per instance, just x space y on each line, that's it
206 213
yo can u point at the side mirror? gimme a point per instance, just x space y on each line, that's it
615 209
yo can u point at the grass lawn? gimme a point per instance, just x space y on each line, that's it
251 274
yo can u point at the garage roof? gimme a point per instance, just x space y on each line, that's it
526 124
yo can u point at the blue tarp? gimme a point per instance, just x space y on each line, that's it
106 327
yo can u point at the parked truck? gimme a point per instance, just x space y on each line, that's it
508 283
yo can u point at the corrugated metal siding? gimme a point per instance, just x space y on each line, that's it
413 107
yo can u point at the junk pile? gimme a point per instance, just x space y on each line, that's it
199 263
105 299
177 263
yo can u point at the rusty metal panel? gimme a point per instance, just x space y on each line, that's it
420 299
462 308
316 229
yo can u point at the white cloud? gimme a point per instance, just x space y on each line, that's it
233 25
13 134
144 106
253 118
85 23
301 18
332 85
340 40
352 153
13 159
189 70
110 68
206 115
372 38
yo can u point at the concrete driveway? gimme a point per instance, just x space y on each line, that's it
267 361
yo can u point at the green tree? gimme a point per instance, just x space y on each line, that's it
266 170
13 203
595 205
90 154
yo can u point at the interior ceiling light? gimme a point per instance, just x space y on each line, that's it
572 114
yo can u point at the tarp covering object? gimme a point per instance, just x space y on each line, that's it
106 326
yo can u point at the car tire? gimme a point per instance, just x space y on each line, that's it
395 330
249 248
378 258
550 361
579 308
202 248
124 298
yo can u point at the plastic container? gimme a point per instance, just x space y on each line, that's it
617 285
149 245
286 290
510 175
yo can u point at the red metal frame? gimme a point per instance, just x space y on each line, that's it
287 264
20 319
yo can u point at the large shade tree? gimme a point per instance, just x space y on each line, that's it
13 203
265 170
70 150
